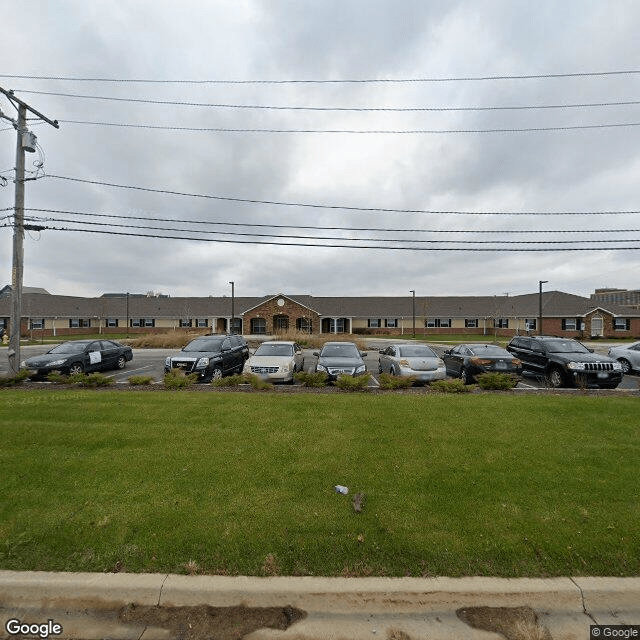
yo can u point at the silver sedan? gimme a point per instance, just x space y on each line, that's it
628 355
412 360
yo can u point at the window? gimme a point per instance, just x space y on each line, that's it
502 323
258 325
471 323
112 322
622 324
185 323
236 325
569 324
530 324
202 322
142 322
36 323
392 323
304 324
438 322
374 323
75 323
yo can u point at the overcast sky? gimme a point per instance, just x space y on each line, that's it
454 164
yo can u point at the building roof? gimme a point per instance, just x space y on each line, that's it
554 304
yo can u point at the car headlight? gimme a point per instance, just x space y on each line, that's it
576 366
321 367
23 364
57 363
202 363
167 362
286 368
617 366
404 364
361 369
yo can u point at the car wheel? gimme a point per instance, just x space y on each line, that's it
464 376
216 374
395 372
556 379
76 368
121 362
626 365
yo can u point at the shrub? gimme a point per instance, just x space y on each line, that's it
496 380
57 377
257 382
11 381
451 386
140 380
349 383
96 379
229 381
177 379
388 381
307 379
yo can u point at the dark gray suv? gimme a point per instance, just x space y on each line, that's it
565 362
211 357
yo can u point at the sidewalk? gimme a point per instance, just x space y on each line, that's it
160 606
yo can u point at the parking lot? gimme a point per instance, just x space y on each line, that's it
150 362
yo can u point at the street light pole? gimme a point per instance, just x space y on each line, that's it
412 291
540 283
233 312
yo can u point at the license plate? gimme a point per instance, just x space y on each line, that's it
501 365
602 374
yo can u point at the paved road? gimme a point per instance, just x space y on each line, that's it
151 362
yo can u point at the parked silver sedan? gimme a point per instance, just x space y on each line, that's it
276 361
412 360
628 355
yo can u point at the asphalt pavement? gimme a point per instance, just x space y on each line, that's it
151 362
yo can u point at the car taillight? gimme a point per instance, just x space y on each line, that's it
479 362
516 363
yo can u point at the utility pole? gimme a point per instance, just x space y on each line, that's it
233 304
25 141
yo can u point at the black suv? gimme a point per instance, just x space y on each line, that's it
565 363
211 357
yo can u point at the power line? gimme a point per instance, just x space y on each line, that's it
541 76
343 246
325 227
352 131
385 240
343 207
340 109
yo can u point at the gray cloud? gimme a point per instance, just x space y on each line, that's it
554 170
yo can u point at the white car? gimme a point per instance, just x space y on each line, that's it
276 361
628 355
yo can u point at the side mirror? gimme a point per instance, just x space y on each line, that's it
382 351
591 350
316 354
447 352
363 354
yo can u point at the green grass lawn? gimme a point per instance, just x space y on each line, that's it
236 483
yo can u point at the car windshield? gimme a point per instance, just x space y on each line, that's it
204 345
339 351
565 346
416 351
274 350
491 350
69 347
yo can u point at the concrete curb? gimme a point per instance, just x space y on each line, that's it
86 604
